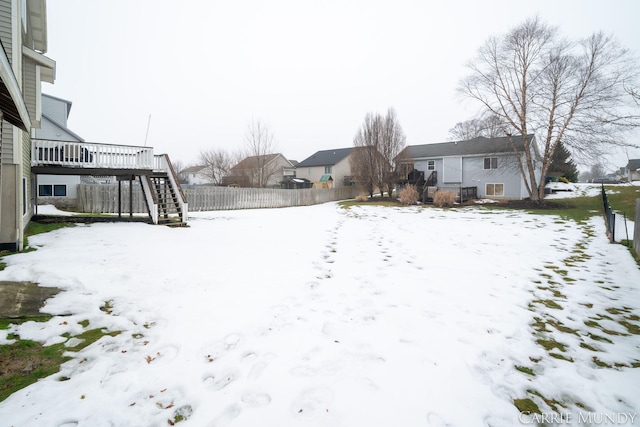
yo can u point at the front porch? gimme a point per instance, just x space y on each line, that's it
164 198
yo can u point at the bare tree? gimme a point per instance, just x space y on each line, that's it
541 84
260 146
391 145
365 158
217 163
464 131
377 145
489 126
178 166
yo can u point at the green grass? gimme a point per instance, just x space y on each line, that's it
25 362
526 406
346 204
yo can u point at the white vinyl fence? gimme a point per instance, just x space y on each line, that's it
103 198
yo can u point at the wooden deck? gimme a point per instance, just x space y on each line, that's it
163 195
87 158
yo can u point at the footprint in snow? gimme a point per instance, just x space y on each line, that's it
229 414
218 382
312 401
254 399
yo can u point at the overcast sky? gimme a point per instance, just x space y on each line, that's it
201 70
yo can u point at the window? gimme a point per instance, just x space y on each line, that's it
45 190
491 163
60 190
327 169
431 165
495 189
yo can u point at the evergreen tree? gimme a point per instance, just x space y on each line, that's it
561 162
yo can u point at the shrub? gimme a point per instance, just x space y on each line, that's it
408 195
444 198
361 198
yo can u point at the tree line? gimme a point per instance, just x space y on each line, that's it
580 98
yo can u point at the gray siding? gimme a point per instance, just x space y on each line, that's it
6 38
7 143
474 174
5 28
56 109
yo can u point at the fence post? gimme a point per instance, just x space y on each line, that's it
636 229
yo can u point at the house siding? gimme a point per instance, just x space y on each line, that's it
56 109
474 174
29 89
6 28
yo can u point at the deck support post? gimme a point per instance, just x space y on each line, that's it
119 199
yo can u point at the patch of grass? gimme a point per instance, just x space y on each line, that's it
3 265
561 357
526 406
632 328
525 370
562 328
107 307
549 303
592 323
600 363
553 404
599 338
588 347
38 228
550 344
25 362
346 204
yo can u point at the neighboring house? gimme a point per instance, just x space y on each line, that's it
60 190
195 175
327 169
633 170
23 67
267 170
488 164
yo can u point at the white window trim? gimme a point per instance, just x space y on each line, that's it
494 189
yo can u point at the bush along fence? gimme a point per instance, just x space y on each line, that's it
103 198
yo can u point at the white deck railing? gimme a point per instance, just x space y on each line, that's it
90 155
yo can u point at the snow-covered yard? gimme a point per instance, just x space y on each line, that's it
324 316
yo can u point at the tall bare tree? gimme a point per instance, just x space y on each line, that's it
540 83
392 144
260 145
217 163
377 145
365 158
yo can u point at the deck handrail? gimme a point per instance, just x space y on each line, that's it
77 154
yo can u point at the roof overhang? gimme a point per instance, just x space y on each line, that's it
47 65
11 102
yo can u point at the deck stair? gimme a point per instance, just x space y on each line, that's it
164 197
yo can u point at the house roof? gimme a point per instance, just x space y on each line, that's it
64 128
252 162
326 157
633 165
476 146
192 169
